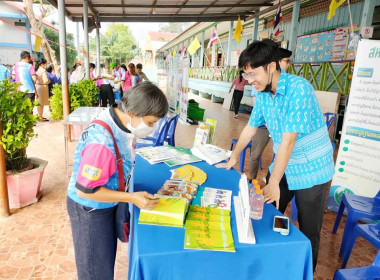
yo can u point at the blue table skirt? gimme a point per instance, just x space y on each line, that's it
156 252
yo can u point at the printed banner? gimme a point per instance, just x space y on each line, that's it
357 166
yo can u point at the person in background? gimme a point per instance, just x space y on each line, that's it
23 72
93 194
92 71
239 84
262 138
135 76
4 73
42 87
139 71
304 156
52 77
78 74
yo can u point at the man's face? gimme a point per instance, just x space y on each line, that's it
285 63
258 77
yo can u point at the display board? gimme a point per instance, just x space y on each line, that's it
315 47
184 97
357 166
333 45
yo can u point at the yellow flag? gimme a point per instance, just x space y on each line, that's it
37 43
333 6
238 30
194 46
174 52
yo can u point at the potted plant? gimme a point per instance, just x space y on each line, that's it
82 94
24 174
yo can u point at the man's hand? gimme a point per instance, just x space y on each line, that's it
272 193
144 200
227 165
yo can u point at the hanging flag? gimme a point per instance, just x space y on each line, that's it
37 43
174 51
277 19
183 52
333 6
238 30
194 46
213 38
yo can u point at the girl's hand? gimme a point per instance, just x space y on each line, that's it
144 200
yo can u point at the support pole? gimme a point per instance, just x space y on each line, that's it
63 57
97 52
85 35
255 28
294 26
4 202
202 50
368 11
77 44
230 43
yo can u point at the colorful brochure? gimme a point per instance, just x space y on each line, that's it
170 211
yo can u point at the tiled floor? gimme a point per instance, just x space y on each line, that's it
36 243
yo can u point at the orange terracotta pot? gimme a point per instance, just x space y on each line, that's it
24 187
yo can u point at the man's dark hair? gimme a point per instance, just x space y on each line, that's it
260 53
92 65
49 68
24 55
284 53
139 66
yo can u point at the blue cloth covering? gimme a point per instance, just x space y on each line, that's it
295 109
156 252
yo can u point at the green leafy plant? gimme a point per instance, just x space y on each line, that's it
17 122
82 94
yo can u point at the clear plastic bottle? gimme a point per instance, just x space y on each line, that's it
256 204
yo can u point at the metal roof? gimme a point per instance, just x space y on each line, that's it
164 10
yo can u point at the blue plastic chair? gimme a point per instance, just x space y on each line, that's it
329 118
153 141
366 272
172 124
358 207
370 232
242 154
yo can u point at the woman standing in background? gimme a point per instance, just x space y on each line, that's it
239 84
42 87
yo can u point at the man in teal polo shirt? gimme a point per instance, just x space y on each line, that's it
304 156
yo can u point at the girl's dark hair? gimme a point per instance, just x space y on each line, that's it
240 75
132 69
124 67
39 62
49 68
260 53
144 99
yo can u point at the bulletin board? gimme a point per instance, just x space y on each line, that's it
316 47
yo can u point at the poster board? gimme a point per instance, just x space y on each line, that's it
357 165
184 88
332 45
235 57
315 47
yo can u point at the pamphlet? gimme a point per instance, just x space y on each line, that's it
208 229
189 173
172 156
210 153
170 211
202 134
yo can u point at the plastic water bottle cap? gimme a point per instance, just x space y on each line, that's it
254 181
259 191
256 186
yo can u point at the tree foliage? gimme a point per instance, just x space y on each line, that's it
71 54
174 27
115 44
